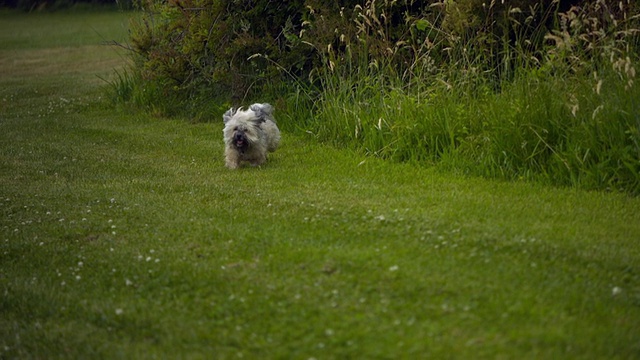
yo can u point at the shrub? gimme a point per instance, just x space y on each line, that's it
204 48
236 49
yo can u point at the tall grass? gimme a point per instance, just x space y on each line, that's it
565 113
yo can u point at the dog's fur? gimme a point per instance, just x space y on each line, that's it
249 134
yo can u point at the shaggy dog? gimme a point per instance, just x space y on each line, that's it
249 134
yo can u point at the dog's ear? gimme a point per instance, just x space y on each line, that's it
257 121
262 111
228 115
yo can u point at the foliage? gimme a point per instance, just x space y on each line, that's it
242 47
564 112
203 48
519 89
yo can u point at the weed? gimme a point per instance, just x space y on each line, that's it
556 110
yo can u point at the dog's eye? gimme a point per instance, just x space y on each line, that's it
235 128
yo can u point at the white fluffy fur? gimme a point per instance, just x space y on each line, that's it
249 135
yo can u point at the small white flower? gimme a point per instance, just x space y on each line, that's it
119 311
616 291
394 268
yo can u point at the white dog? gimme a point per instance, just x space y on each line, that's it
249 134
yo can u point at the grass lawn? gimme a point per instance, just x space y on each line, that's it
123 235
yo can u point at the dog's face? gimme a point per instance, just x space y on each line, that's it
241 136
242 129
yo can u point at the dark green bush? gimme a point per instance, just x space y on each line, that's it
230 49
237 49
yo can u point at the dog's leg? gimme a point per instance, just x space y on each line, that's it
232 159
259 160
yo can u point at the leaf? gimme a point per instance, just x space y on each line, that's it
422 24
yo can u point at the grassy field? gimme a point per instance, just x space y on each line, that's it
123 235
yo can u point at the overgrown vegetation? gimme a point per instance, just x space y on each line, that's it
518 89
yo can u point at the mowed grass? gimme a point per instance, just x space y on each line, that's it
122 235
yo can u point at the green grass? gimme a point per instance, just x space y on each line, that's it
541 126
123 235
